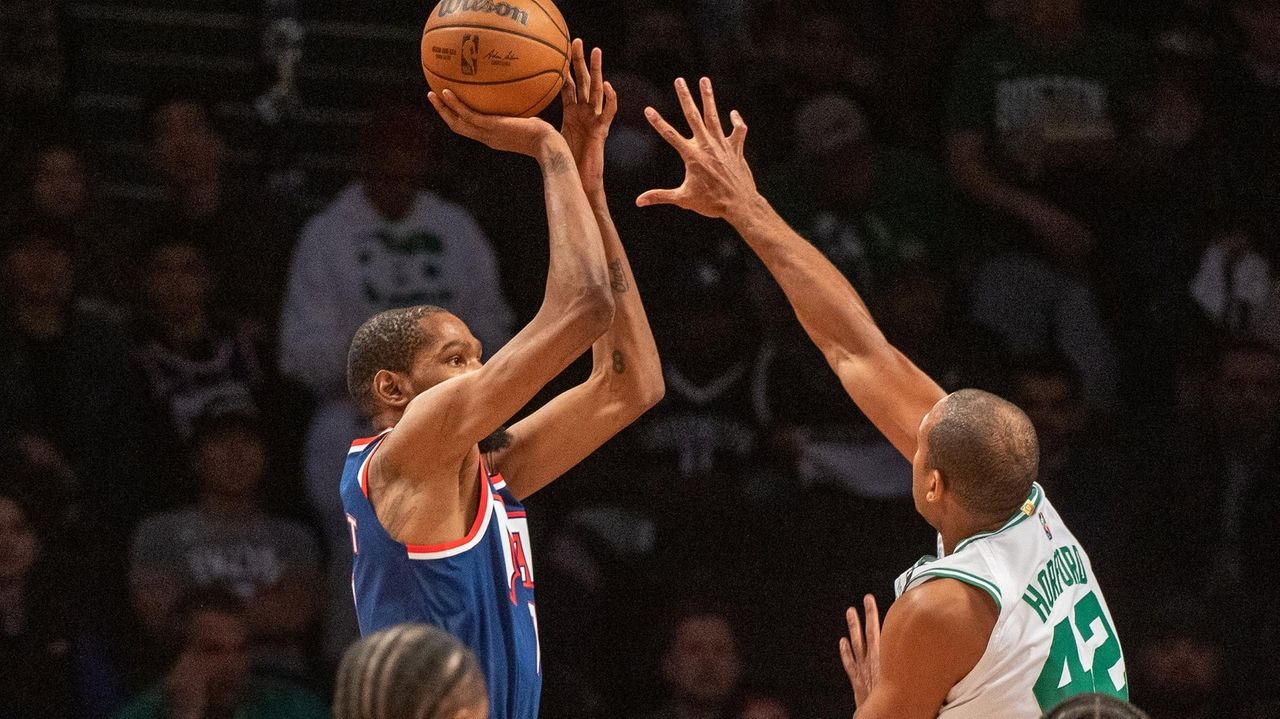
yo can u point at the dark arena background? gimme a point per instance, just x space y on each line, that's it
1072 206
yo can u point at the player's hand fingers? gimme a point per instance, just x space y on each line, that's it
581 73
610 108
666 131
465 114
568 91
448 115
846 658
658 197
597 79
855 633
873 625
691 114
738 138
710 115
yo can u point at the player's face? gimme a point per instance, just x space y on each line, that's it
452 351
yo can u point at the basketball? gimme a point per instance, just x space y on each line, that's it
500 58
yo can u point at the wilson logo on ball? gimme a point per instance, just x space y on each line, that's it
502 9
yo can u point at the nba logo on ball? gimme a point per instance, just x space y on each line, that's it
470 53
500 57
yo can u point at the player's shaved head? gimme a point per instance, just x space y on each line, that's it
388 340
986 450
409 671
1095 706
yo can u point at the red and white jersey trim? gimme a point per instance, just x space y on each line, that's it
360 444
479 526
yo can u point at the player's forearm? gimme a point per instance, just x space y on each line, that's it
577 278
827 306
626 352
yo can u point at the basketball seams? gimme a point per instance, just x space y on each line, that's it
493 82
554 87
563 31
469 26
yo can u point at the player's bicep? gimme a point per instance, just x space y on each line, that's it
890 390
933 637
554 439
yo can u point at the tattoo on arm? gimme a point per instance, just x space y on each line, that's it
558 164
617 277
619 362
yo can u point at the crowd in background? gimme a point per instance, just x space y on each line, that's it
1072 205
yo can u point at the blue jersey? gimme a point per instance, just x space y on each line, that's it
479 588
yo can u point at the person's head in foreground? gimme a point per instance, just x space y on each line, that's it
410 671
1094 706
976 457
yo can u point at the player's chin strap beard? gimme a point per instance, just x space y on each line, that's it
499 439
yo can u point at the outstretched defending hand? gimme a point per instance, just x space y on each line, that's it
861 659
589 107
525 135
717 179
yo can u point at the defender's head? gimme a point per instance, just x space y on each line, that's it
410 671
976 458
399 354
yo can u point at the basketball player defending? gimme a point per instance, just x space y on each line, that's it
439 534
1006 620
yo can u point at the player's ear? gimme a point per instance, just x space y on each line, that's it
391 388
935 484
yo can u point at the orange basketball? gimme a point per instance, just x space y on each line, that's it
500 57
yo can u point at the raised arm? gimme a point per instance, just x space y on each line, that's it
887 387
442 425
626 375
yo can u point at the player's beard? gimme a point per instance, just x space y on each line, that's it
500 438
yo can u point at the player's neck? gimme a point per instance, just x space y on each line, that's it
952 536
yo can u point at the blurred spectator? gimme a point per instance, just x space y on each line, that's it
1038 104
1219 479
196 363
704 423
1233 285
870 209
1247 97
1035 308
54 667
759 706
1179 666
245 235
65 375
227 539
702 668
58 194
1088 465
383 243
210 677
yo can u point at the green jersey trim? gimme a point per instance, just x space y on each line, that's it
963 576
1029 508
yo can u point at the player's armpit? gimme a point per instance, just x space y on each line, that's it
933 637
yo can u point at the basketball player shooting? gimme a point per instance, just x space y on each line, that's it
433 501
1007 620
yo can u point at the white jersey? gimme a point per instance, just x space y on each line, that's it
1054 637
